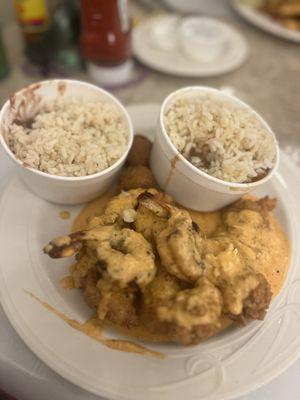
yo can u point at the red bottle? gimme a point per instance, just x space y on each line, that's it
106 39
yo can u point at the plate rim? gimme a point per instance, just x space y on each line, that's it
263 22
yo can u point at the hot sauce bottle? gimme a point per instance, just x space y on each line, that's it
106 40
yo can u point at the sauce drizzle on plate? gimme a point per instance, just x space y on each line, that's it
93 328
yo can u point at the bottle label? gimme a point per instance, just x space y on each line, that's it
33 14
124 15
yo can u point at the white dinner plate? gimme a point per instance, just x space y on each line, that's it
175 62
235 362
263 21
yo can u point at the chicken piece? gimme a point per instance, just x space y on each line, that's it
178 242
140 151
91 293
117 305
134 177
112 303
123 253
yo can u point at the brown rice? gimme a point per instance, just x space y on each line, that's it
220 138
71 138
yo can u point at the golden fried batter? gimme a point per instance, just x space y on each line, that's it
117 305
123 254
145 263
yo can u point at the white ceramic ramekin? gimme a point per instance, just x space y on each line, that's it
24 104
188 185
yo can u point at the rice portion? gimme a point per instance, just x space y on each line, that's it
71 138
220 138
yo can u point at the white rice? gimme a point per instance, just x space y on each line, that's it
221 138
71 138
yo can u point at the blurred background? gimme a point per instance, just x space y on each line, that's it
62 38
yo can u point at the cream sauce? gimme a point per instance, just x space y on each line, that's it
94 329
64 214
273 264
92 209
139 332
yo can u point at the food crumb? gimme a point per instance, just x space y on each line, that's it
64 214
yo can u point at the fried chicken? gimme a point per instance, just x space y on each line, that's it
111 302
178 242
123 254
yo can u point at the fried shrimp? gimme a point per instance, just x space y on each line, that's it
178 242
127 257
123 254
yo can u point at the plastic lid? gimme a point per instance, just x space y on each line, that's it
110 75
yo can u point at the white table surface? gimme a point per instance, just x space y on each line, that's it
24 376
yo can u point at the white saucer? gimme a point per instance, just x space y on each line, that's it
176 62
